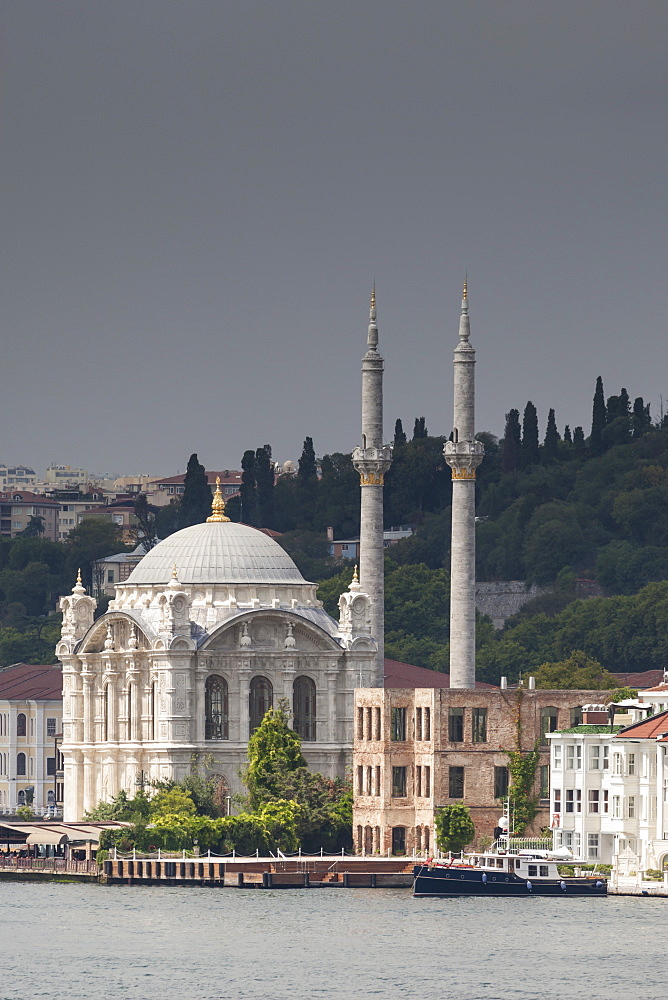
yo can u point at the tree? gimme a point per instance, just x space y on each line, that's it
512 442
578 671
264 475
399 434
568 437
307 469
306 485
598 419
551 446
454 828
248 489
420 429
529 454
274 749
578 439
195 504
146 520
641 420
91 540
34 527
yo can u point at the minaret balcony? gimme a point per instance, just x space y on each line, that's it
463 457
372 464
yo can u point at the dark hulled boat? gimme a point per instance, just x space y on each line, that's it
500 872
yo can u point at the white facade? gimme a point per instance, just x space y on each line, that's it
212 627
609 787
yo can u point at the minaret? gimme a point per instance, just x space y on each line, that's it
463 454
372 461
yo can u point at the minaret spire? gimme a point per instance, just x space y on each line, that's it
372 461
463 454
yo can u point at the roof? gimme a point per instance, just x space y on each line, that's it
228 477
22 681
589 730
405 675
27 497
659 689
656 725
216 552
642 680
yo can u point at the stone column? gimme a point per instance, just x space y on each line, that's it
463 454
372 461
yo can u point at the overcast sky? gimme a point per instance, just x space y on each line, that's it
197 195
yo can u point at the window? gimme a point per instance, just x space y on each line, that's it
616 763
605 801
556 796
456 725
427 781
479 725
360 723
216 702
398 782
260 700
418 723
377 781
594 758
426 724
548 721
573 800
456 783
303 708
606 752
50 727
20 724
556 756
532 870
593 800
418 781
398 725
500 782
360 779
21 764
576 717
543 870
545 781
376 723
592 845
573 757
616 807
631 763
110 576
631 806
398 839
51 766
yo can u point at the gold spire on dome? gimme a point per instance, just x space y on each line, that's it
373 296
79 577
465 293
217 505
175 574
355 577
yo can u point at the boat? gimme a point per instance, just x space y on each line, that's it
502 871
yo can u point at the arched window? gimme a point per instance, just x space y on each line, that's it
303 708
153 708
20 724
261 699
216 708
20 764
548 721
51 797
22 797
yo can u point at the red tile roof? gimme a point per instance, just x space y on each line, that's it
23 680
405 675
28 497
640 681
657 725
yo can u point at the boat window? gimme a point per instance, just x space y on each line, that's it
511 865
544 870
499 862
533 870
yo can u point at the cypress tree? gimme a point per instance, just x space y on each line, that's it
530 454
420 429
578 439
641 419
568 437
399 434
307 470
195 504
248 490
552 438
264 475
307 486
598 419
512 442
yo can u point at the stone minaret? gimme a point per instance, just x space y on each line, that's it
463 454
372 461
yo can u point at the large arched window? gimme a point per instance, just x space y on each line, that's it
303 708
261 699
20 724
216 707
20 764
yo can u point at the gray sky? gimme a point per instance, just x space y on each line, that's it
197 196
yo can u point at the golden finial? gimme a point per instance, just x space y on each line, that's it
175 575
465 293
373 296
217 505
355 577
78 577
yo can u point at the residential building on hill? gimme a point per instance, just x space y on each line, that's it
17 477
163 491
19 506
31 710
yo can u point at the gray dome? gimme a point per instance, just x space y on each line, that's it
216 552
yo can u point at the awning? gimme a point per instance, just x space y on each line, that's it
46 837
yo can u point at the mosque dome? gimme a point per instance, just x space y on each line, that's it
216 552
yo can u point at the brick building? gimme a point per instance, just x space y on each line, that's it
419 749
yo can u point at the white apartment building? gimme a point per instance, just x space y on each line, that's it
609 786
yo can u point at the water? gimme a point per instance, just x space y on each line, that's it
91 942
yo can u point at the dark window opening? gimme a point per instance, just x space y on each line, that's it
456 725
399 724
398 782
303 708
261 699
456 783
216 708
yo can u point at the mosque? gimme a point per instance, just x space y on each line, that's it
212 628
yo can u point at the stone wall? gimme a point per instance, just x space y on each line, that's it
502 599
